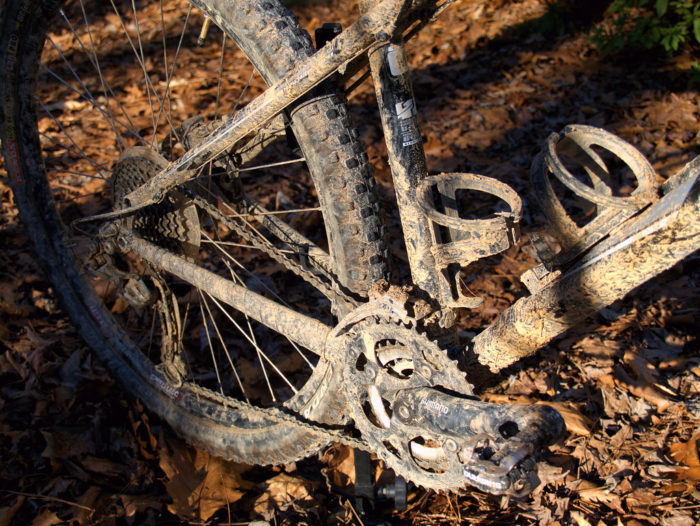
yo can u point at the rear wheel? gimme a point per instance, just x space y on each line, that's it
97 97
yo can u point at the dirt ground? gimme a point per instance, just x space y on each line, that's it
492 80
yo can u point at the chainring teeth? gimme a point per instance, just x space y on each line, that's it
381 357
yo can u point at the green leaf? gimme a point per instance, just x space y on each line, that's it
661 7
696 29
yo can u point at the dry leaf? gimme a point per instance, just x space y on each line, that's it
614 402
678 520
590 492
83 515
46 518
138 503
198 483
282 491
341 466
686 453
579 518
644 370
593 346
689 475
623 436
671 489
103 466
640 500
7 513
576 422
62 445
642 390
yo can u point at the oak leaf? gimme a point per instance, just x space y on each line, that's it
198 483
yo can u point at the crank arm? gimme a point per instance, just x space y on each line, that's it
496 444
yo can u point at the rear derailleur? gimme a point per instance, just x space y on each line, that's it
417 412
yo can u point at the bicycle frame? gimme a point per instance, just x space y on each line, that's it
652 238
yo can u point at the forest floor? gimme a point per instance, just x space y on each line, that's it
492 80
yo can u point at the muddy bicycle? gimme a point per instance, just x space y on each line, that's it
263 324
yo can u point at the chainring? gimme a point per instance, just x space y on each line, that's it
383 354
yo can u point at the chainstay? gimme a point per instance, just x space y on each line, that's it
312 279
283 417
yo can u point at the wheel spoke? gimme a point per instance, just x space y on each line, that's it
142 61
272 165
203 296
211 347
105 85
221 73
75 149
237 279
81 196
73 172
108 113
260 352
243 91
170 74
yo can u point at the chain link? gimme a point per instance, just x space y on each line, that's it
275 414
281 417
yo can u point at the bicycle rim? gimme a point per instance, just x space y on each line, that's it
111 88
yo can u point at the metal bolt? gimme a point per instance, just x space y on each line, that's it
108 246
450 445
404 412
370 371
109 230
426 371
123 243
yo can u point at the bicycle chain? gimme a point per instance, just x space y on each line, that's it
312 279
275 414
281 417
369 443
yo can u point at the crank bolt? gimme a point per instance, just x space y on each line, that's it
450 445
108 246
370 372
123 243
404 412
426 372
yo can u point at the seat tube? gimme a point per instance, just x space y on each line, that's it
404 144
